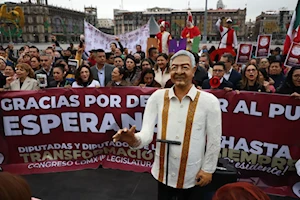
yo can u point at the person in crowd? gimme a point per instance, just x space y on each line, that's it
34 51
46 63
162 70
92 57
118 76
276 54
265 79
35 63
230 75
240 191
200 74
102 71
253 61
14 187
148 79
25 79
203 50
133 73
126 53
118 61
218 72
205 62
152 55
10 71
264 64
237 67
2 64
250 80
146 63
291 85
137 58
50 51
59 75
113 47
202 144
84 78
275 72
139 51
109 58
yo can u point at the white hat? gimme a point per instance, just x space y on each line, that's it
229 20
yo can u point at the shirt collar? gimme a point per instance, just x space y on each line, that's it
221 80
229 72
192 93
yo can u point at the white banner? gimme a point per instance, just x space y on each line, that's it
96 39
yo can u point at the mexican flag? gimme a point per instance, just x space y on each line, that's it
293 34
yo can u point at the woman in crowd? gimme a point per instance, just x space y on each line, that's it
35 63
133 73
291 84
59 74
25 79
265 79
250 80
148 79
146 64
9 71
70 72
118 76
162 70
240 191
84 78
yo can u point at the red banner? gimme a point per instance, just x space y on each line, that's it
71 129
244 53
263 46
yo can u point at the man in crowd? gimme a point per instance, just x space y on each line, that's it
205 63
200 73
194 160
230 74
139 51
118 61
102 71
275 72
152 55
218 72
34 51
138 60
109 58
46 63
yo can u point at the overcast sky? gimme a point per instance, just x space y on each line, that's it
105 7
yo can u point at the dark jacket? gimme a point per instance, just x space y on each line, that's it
235 78
54 84
288 89
200 75
107 70
279 79
142 54
49 77
255 88
206 84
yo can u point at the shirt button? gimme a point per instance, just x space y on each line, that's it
175 157
181 106
173 174
177 137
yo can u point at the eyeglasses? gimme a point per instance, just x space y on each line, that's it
218 70
251 70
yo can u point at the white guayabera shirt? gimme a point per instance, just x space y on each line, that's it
195 122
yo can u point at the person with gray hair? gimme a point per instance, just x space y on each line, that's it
189 118
46 63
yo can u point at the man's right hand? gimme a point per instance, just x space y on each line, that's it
125 135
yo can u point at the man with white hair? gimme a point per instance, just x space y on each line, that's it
228 35
188 116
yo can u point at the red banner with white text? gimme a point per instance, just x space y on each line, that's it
71 129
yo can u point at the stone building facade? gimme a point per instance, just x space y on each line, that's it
126 21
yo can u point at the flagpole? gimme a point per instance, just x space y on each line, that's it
205 24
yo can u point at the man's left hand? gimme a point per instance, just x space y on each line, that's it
203 178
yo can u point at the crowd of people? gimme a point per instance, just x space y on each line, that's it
121 68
